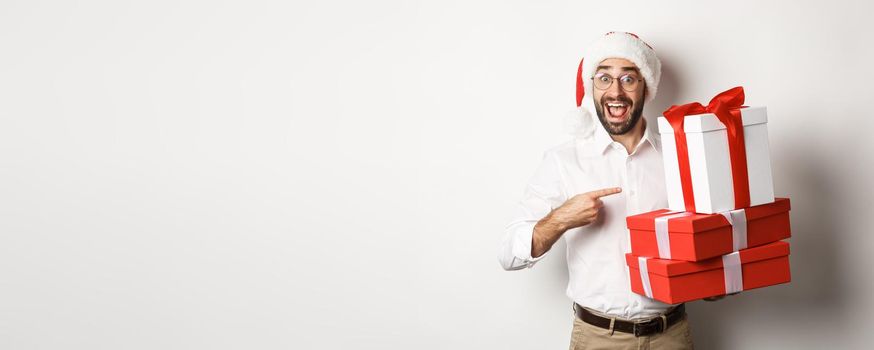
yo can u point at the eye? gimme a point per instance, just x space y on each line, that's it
604 78
627 79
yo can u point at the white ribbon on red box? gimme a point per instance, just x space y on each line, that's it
738 221
732 274
644 276
661 230
732 269
736 218
731 264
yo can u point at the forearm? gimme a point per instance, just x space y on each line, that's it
547 231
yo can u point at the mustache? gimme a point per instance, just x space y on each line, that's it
627 100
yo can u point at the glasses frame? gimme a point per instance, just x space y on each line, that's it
613 79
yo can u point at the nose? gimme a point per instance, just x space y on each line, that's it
615 90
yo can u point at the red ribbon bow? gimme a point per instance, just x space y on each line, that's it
726 106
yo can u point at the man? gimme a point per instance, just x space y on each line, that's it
584 189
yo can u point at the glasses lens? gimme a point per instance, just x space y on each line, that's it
629 82
602 81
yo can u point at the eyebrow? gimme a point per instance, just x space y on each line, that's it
624 69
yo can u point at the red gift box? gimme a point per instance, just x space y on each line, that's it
674 281
693 237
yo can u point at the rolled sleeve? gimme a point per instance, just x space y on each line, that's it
543 193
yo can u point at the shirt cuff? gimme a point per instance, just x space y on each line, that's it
522 254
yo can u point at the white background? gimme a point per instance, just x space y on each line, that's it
333 175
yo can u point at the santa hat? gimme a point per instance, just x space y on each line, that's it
611 45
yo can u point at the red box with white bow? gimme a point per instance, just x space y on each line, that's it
674 282
693 237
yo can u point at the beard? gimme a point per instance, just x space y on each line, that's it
625 126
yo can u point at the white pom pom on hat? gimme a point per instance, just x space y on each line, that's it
612 45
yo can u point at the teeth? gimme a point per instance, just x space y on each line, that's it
616 105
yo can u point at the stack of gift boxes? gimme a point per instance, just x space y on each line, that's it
723 230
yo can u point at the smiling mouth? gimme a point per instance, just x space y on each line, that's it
616 110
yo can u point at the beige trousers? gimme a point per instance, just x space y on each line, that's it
588 337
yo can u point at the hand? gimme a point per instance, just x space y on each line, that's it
582 209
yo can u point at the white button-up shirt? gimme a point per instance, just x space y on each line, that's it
598 275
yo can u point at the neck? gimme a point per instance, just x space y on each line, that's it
632 137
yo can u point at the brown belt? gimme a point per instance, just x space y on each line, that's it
639 329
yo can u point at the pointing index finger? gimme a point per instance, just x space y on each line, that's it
605 192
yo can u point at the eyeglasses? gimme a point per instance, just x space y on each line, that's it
628 82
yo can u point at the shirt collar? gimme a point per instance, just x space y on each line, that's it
601 140
652 136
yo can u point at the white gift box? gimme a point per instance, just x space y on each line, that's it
710 164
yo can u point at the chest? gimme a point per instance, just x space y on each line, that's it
641 177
